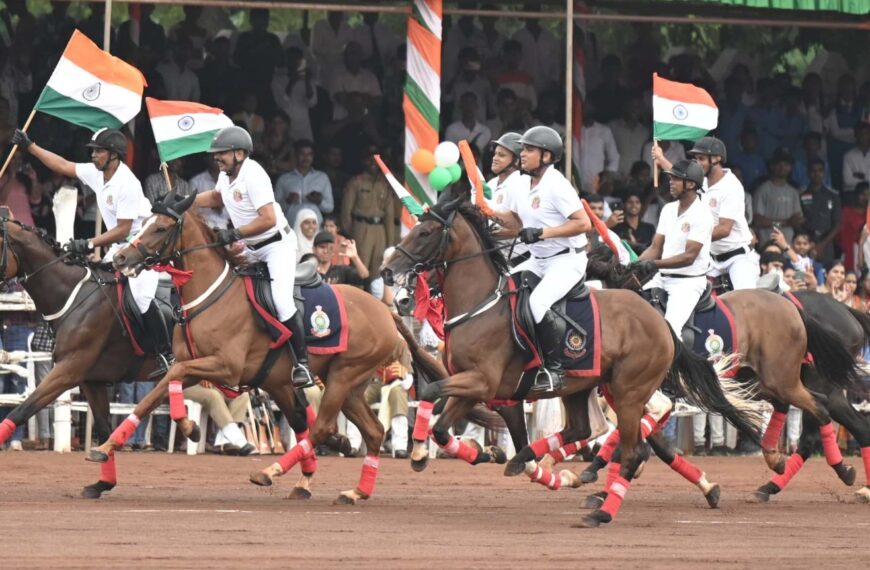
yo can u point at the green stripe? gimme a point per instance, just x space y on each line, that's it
53 103
412 205
845 6
422 102
414 186
183 146
671 132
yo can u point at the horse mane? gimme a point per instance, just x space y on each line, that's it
46 237
480 224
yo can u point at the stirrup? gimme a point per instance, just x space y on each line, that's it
163 364
552 383
302 377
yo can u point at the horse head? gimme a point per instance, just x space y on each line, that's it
157 239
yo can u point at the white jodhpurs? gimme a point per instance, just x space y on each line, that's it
280 257
683 295
143 286
558 275
741 269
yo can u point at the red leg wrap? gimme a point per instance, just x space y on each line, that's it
461 450
689 472
295 455
369 474
792 466
865 455
7 426
615 496
310 416
770 440
606 451
648 425
567 450
177 411
612 474
125 431
308 464
107 471
546 478
546 444
829 444
421 424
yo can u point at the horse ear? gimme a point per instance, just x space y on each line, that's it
170 199
184 204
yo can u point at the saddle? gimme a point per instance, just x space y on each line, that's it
133 322
524 331
659 299
307 277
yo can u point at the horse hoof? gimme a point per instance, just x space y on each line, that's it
595 500
862 495
514 468
846 473
339 443
299 494
345 500
96 490
713 496
570 478
97 456
759 496
420 465
593 520
547 462
588 476
261 479
497 454
195 434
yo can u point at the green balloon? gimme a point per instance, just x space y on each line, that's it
455 173
439 178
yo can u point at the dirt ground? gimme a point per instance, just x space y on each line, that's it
174 511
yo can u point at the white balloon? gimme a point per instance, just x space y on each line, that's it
446 153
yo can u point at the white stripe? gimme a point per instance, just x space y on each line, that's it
70 299
72 81
423 75
431 19
208 291
690 114
168 127
411 145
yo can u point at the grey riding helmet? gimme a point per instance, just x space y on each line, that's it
112 140
687 170
544 138
232 138
511 142
710 146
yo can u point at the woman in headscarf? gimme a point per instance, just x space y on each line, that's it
306 227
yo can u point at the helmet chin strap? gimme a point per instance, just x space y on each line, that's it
539 171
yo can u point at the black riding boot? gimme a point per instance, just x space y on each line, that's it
301 374
160 335
551 376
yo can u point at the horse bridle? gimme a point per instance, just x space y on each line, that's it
160 257
6 250
422 266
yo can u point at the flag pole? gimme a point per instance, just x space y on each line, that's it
15 148
569 87
165 168
655 168
107 47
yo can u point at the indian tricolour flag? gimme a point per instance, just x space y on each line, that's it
182 128
91 88
681 111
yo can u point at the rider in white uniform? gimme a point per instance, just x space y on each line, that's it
506 166
123 207
730 250
245 190
681 246
554 224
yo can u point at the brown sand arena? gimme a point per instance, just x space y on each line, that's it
174 511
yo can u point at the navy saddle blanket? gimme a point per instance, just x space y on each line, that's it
325 320
715 334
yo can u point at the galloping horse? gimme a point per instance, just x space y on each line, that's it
638 349
92 348
226 345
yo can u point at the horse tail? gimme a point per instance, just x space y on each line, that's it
426 366
703 384
863 320
832 359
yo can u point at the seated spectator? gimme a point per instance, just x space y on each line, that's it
853 219
355 133
598 151
276 155
776 202
154 185
812 150
249 118
469 79
332 162
597 205
355 273
850 286
822 211
226 413
509 116
181 83
352 77
632 229
389 389
339 251
771 261
304 186
468 127
856 162
215 218
835 282
749 159
305 228
547 113
630 133
514 78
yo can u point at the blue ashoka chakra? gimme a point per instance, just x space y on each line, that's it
186 123
92 93
680 112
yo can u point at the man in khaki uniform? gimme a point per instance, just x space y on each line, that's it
369 213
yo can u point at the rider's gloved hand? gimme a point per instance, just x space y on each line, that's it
21 139
228 236
79 246
531 235
644 270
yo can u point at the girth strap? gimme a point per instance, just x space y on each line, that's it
71 299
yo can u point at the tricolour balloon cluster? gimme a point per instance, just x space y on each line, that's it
442 166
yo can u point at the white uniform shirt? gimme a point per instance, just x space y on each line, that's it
547 205
250 191
121 198
726 199
502 196
855 164
695 224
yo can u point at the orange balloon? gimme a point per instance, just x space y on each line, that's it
423 161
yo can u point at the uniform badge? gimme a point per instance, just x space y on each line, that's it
319 323
109 200
536 202
575 345
714 345
686 227
713 202
499 199
237 195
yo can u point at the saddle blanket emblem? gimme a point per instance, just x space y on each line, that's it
575 345
714 344
536 202
319 323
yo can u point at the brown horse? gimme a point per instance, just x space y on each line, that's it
92 348
637 348
230 346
